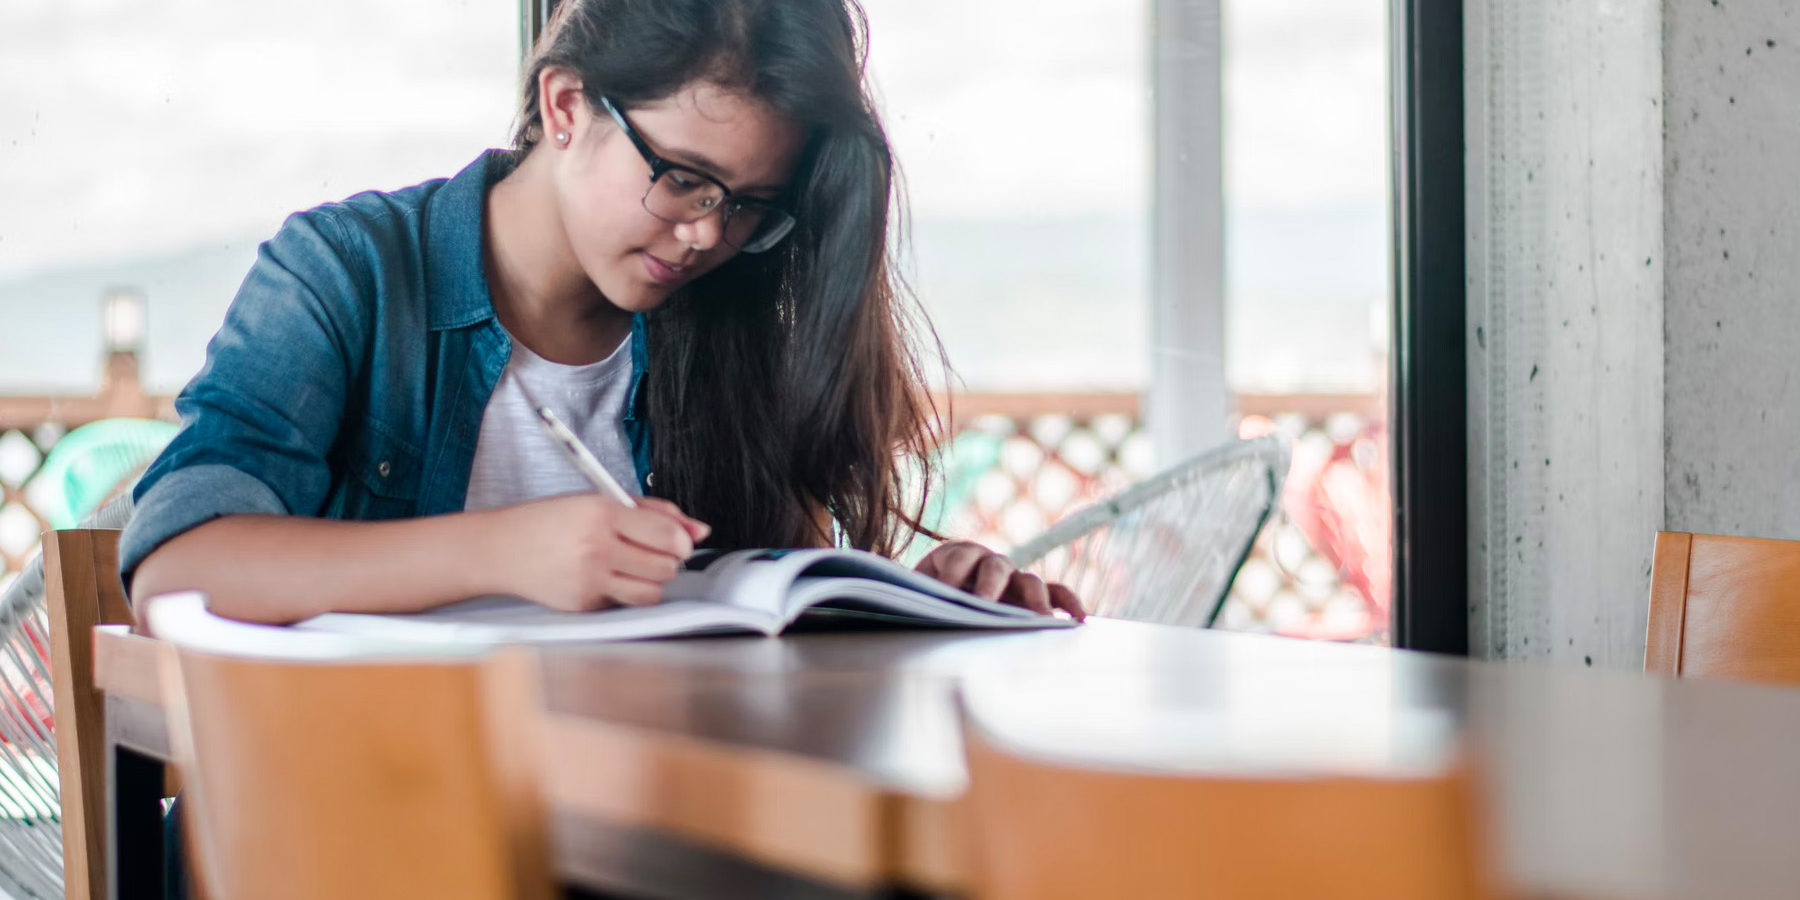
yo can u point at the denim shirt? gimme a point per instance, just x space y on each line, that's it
349 378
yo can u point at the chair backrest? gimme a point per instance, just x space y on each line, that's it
1724 607
1167 549
81 590
1044 829
361 771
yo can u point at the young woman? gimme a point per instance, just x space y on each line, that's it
685 254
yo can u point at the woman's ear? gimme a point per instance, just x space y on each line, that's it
561 105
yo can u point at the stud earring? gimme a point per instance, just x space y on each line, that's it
562 137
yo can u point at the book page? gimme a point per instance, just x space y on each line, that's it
514 620
750 579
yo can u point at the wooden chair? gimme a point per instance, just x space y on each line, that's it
1045 829
321 766
81 590
1724 607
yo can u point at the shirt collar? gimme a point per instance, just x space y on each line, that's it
455 266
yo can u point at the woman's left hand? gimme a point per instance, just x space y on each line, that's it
971 567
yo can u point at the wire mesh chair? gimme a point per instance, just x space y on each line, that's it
30 807
31 844
1167 549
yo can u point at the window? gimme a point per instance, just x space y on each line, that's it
159 141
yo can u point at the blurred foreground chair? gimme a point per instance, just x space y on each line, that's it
1166 549
1724 607
52 768
318 765
1043 829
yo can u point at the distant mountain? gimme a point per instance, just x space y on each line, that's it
50 322
1059 303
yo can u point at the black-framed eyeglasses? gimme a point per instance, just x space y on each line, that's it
680 195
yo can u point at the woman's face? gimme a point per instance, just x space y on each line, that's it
635 259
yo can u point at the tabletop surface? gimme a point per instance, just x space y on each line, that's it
713 761
1600 783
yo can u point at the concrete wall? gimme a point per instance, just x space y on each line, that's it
1732 220
1618 387
1565 325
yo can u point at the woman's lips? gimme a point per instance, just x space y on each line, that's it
664 272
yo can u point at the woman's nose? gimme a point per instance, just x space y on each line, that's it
703 234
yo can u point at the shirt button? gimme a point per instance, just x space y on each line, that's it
650 479
384 468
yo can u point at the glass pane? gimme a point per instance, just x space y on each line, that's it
157 142
1307 303
140 181
1029 168
1027 164
162 140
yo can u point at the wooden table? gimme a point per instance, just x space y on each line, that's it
829 764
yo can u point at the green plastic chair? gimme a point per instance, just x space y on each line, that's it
90 464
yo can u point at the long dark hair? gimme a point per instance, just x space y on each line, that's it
786 382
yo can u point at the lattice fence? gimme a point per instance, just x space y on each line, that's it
22 454
1018 462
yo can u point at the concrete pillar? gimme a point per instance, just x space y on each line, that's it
1565 326
1618 387
1732 219
1188 404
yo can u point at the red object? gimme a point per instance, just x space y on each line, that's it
1339 500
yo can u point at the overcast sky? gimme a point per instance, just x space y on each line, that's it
157 141
137 126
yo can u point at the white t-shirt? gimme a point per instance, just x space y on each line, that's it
516 462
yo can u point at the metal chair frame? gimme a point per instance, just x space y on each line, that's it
1075 549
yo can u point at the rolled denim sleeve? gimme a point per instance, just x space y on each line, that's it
259 420
187 498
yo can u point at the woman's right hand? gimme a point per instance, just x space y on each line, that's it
585 551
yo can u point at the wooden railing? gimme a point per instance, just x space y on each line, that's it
121 396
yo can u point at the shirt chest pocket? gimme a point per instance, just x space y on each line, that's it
386 468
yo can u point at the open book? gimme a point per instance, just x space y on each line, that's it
743 591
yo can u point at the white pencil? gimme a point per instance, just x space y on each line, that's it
580 455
